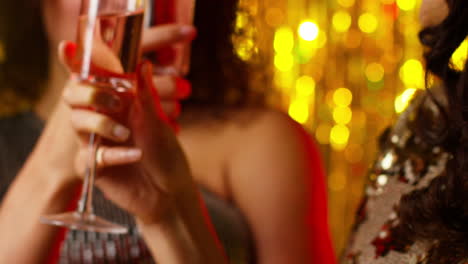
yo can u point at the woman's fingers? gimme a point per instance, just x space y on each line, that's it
81 95
171 109
171 87
165 35
87 122
113 156
66 53
107 157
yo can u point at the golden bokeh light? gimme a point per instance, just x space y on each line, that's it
459 57
406 5
342 115
402 101
412 73
285 81
242 20
341 21
245 49
342 97
308 30
284 61
284 40
368 23
299 111
339 136
305 86
375 72
306 50
342 69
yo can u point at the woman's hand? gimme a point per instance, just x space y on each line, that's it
141 165
159 174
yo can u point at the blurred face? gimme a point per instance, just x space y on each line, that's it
60 17
433 12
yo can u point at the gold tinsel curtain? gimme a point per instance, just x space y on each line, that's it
344 69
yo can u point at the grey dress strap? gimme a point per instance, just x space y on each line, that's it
19 134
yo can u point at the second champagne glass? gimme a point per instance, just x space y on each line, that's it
109 36
173 60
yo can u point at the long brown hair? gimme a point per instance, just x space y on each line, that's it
438 214
219 78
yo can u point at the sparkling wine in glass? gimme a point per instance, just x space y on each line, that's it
108 51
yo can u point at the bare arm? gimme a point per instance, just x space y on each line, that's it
278 185
43 186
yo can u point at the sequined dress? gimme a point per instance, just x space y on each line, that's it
18 136
405 163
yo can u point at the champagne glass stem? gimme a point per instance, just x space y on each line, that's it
85 205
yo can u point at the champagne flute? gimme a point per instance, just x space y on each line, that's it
108 51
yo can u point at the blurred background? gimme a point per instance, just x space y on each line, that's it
342 68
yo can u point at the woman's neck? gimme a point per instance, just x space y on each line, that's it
53 90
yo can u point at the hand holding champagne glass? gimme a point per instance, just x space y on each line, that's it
108 52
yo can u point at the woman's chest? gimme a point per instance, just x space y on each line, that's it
209 154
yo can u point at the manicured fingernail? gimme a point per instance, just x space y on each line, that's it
70 49
121 132
132 154
184 88
187 31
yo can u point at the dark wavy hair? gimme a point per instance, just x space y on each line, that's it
220 80
438 214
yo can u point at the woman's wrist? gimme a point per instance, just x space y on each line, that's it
55 151
50 168
55 182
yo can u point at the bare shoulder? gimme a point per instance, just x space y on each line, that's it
275 178
271 145
273 133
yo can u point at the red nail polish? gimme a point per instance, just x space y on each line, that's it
70 50
184 88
